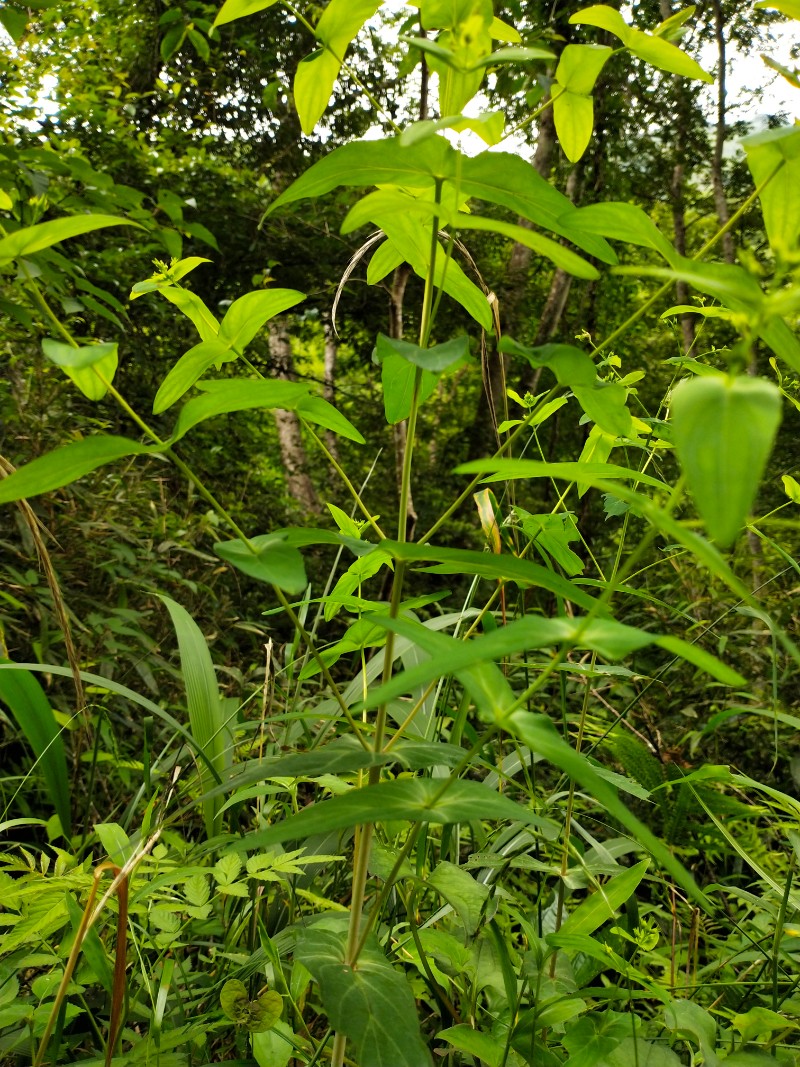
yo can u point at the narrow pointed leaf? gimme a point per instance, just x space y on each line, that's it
245 317
65 465
28 703
191 366
32 239
239 9
205 708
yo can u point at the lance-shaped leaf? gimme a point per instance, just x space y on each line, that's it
573 110
497 177
191 366
401 800
497 566
32 239
316 74
623 222
435 359
207 723
774 158
80 365
789 8
223 397
239 9
371 1003
28 703
724 429
654 50
245 317
65 465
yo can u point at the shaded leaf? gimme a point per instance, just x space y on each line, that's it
65 465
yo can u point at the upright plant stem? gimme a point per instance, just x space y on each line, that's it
363 840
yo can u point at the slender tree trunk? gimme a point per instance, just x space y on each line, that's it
720 200
329 388
676 192
293 454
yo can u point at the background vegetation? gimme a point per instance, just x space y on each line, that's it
317 745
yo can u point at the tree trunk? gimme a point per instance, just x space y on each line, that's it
720 200
329 387
293 454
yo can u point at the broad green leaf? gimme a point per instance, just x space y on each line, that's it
371 1003
273 1048
397 380
604 902
414 241
207 721
386 258
665 56
115 841
610 639
724 429
463 893
604 18
239 9
690 1021
193 308
603 402
580 65
80 364
623 222
497 177
315 77
256 1016
551 535
775 155
245 317
792 488
269 560
222 397
503 31
321 413
563 257
65 465
191 366
594 1036
475 1043
573 115
32 239
402 800
28 703
789 8
435 359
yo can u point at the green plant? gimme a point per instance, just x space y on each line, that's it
465 738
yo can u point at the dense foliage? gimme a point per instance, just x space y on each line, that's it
469 739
